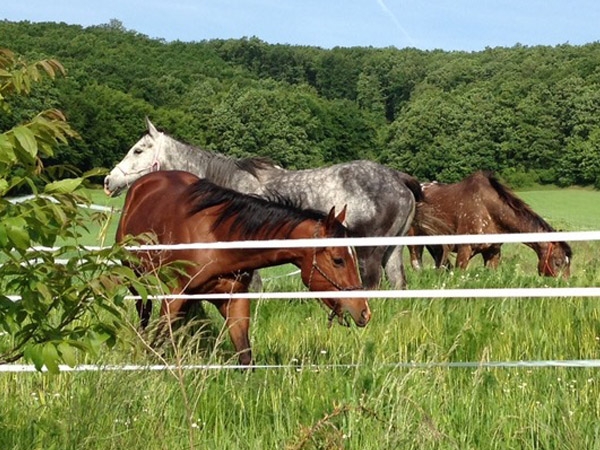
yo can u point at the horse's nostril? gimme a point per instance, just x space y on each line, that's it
365 316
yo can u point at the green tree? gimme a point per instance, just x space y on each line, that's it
44 324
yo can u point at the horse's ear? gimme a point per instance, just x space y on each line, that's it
151 128
330 218
342 215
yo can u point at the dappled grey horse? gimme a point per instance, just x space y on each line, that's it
380 200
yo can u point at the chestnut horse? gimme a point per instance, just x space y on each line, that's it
178 207
480 204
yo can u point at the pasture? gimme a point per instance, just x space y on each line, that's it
347 387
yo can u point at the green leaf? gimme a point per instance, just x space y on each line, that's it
7 153
33 353
44 291
95 172
27 139
3 186
17 232
3 235
50 357
63 186
67 354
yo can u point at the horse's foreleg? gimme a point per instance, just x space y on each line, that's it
370 261
256 284
143 308
236 313
170 311
463 256
491 257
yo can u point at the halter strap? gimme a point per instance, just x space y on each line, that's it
315 266
153 167
546 265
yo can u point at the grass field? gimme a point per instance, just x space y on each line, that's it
378 404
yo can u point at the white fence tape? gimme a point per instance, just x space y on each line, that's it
368 241
52 199
582 363
388 294
399 294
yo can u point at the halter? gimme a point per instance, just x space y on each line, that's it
335 284
153 167
546 264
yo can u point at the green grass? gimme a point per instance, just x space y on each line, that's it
566 209
376 405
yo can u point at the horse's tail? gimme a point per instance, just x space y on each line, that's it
426 223
413 185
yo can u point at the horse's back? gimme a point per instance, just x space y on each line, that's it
372 192
478 204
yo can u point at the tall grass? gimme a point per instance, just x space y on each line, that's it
344 387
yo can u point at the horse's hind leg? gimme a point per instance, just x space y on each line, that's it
440 253
394 267
416 256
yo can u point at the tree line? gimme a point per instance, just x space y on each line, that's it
528 113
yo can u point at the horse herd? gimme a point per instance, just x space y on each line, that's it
181 194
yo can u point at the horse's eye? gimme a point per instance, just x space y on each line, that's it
137 151
338 262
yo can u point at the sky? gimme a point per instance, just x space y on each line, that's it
469 25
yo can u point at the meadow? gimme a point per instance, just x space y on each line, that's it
343 387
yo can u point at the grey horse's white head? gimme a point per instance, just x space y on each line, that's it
144 157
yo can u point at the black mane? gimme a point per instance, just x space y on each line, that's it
522 209
254 216
221 169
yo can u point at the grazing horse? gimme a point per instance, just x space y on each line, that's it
480 204
381 201
178 207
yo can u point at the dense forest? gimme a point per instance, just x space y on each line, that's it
532 114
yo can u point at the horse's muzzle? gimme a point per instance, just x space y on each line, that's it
111 191
361 320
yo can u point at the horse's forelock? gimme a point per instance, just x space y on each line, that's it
566 249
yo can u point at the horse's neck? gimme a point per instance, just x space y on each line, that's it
179 156
274 256
212 166
530 224
540 248
252 259
269 175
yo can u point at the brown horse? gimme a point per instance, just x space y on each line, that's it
480 204
178 207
